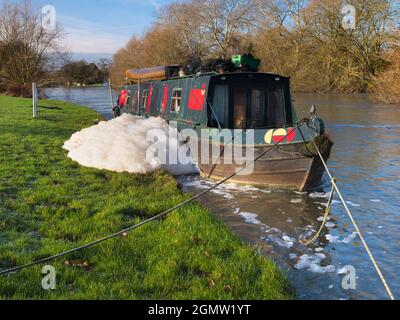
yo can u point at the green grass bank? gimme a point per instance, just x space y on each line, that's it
49 204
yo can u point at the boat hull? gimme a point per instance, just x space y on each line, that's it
289 166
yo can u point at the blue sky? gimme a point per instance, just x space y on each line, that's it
102 26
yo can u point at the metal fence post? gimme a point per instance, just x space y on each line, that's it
34 99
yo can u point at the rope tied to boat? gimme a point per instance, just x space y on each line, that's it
364 242
326 216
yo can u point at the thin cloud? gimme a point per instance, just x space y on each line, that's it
90 37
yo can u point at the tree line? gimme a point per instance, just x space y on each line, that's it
81 73
303 39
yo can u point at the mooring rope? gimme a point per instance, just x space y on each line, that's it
371 256
326 216
117 234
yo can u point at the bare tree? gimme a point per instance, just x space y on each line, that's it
161 45
226 21
184 18
27 50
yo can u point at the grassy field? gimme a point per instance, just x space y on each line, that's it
49 204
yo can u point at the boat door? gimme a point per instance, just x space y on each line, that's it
249 106
239 106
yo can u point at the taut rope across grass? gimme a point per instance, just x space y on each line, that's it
114 235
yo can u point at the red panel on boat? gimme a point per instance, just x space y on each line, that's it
291 135
196 100
122 98
149 99
165 99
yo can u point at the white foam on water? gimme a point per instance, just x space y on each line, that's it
322 218
227 190
289 241
236 211
336 239
319 269
223 193
316 195
122 145
308 234
350 238
273 230
312 263
325 204
375 200
293 256
284 241
296 201
342 271
234 186
250 217
353 204
332 239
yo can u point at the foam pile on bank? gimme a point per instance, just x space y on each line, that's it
127 144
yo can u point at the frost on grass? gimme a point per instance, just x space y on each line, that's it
131 144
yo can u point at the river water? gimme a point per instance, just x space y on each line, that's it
366 163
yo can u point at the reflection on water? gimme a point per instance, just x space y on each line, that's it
366 163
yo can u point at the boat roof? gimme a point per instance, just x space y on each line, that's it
230 74
162 73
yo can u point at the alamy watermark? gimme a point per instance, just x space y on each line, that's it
49 279
349 21
349 281
49 17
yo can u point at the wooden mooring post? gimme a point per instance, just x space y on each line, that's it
35 99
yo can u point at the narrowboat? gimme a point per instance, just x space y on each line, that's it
237 99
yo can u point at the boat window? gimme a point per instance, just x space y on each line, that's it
276 107
144 98
220 106
176 100
257 111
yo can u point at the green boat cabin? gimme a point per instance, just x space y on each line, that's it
239 100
